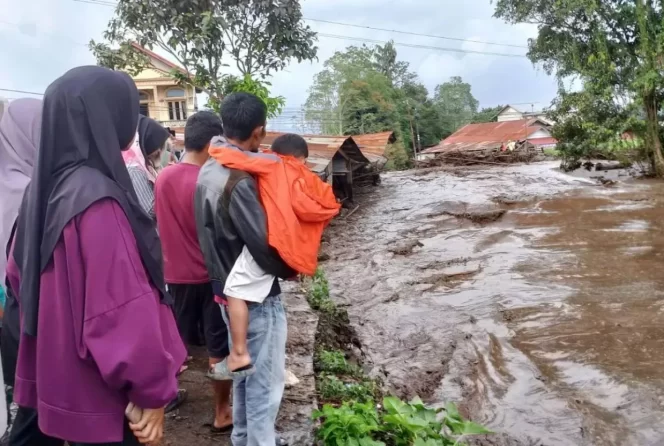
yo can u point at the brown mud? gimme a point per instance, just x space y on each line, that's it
186 426
530 297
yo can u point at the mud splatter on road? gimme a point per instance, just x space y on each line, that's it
531 297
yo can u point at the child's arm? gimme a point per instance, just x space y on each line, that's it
310 208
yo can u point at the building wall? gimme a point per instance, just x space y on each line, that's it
158 90
541 133
510 114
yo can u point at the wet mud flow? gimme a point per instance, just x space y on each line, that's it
531 297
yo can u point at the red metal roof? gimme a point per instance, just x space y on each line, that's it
156 56
325 147
495 131
489 135
374 143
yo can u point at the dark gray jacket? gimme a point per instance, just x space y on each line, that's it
229 215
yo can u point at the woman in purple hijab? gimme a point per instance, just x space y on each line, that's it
97 332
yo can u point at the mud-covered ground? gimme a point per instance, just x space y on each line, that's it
531 297
187 426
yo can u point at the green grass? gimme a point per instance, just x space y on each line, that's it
319 294
333 389
334 361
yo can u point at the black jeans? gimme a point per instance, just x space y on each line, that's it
25 432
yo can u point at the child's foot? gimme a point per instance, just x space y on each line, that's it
238 362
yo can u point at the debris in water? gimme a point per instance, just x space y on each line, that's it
405 248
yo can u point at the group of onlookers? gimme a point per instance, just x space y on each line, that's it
116 254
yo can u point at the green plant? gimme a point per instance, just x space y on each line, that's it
319 294
334 361
332 388
349 425
407 424
397 424
397 156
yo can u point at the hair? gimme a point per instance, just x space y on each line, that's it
241 114
291 144
200 129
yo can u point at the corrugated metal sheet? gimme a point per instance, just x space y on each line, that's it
374 143
326 147
488 135
495 131
463 147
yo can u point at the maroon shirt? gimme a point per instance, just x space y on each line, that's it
174 207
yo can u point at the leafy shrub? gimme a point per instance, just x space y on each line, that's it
319 294
331 388
397 424
334 361
349 425
397 156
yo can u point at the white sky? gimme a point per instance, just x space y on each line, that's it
41 39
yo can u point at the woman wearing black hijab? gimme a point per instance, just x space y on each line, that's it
97 332
143 160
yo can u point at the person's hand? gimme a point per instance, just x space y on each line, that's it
150 429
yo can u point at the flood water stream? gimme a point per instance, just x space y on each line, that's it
530 297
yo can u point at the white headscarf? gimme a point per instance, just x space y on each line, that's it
20 129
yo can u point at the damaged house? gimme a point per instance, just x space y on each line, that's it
500 142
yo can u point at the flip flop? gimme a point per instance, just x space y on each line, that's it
214 430
178 401
220 372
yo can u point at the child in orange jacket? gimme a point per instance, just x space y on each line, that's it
298 206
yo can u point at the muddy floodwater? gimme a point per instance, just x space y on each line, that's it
530 297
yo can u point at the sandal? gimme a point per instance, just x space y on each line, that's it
178 401
214 430
220 372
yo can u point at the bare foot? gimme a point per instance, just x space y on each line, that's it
238 361
223 420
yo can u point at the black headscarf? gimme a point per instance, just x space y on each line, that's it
90 115
151 135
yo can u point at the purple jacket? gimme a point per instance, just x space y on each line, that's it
104 338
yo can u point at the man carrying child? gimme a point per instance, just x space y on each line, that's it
229 216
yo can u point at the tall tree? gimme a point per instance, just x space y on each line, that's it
259 36
456 104
350 95
613 46
487 114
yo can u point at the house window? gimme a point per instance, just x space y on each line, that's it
177 109
144 108
175 93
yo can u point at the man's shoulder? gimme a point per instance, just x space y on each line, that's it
217 178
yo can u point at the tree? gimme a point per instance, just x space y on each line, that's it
260 36
351 96
487 114
456 104
612 46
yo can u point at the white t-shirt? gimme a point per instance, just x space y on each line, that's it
247 281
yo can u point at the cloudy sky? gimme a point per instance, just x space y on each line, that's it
41 39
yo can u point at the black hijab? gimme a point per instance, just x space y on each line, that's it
151 135
90 115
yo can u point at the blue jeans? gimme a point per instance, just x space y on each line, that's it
256 398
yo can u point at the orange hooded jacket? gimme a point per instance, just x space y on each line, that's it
297 203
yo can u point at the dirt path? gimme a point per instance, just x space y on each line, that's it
529 296
185 427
